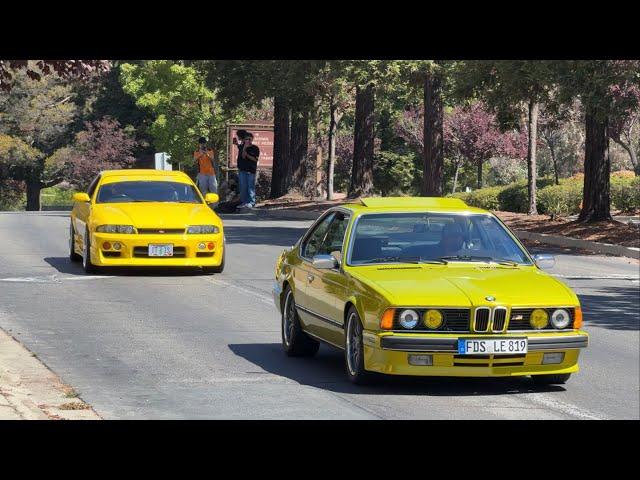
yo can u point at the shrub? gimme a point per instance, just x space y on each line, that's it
486 198
560 200
625 193
12 195
56 196
515 196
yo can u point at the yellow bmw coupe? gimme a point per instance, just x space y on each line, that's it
426 286
145 218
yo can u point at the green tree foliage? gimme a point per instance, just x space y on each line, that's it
182 106
39 113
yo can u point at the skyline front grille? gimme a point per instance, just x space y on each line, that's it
160 231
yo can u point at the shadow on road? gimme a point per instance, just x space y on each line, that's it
258 235
64 265
326 371
617 308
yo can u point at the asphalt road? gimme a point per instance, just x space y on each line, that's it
147 344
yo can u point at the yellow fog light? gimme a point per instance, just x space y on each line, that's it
433 319
539 319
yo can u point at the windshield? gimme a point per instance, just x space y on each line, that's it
147 191
432 238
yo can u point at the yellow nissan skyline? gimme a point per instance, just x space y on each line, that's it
428 287
142 218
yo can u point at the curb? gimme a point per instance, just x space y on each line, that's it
596 247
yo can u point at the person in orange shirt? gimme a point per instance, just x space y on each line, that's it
206 179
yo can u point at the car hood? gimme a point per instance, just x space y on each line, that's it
458 285
155 215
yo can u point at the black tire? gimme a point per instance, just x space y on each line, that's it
219 268
354 350
295 341
86 255
73 256
557 379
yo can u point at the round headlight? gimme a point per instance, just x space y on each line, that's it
433 319
539 319
560 318
409 318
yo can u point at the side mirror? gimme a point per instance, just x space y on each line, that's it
81 197
211 198
325 262
544 260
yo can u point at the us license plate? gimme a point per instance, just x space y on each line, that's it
164 250
493 346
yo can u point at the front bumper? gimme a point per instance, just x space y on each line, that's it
128 257
389 353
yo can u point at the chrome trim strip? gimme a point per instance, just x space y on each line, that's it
320 317
558 343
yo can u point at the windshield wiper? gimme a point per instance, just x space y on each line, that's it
478 258
392 259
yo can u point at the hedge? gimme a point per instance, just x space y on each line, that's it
555 200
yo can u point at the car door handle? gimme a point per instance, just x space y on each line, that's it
310 277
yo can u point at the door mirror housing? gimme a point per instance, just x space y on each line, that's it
325 262
81 197
544 260
211 198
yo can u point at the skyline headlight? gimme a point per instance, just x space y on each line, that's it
128 229
408 318
433 319
202 229
560 318
539 319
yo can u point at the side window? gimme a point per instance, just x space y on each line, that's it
312 244
335 235
92 186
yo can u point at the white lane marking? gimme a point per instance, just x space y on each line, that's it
51 279
253 293
563 407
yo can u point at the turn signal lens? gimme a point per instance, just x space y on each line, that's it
106 246
433 319
210 245
386 323
539 319
577 318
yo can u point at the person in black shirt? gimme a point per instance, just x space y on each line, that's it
248 155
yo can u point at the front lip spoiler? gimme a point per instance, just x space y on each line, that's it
450 345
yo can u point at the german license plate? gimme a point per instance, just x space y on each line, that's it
493 346
163 250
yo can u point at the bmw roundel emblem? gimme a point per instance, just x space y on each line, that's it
490 298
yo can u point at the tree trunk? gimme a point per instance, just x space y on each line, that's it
552 150
455 178
596 196
433 155
298 148
281 158
331 163
363 137
33 195
480 162
531 156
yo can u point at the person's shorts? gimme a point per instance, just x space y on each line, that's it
207 183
